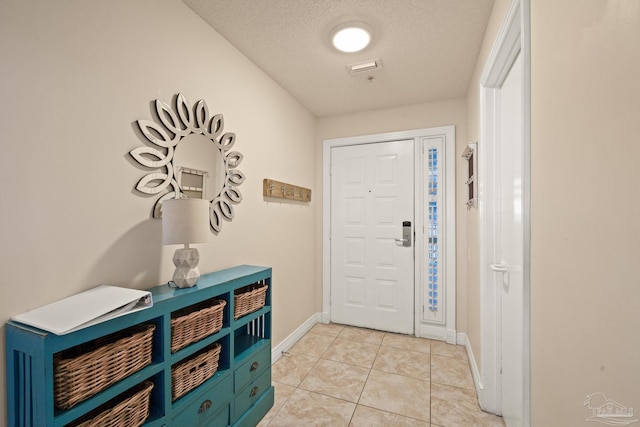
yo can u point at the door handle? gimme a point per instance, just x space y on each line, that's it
406 234
498 268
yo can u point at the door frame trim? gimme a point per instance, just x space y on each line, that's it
513 38
450 220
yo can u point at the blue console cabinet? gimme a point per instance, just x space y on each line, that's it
239 394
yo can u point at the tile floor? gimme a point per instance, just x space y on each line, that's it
344 376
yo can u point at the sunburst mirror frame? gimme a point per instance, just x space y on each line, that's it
169 129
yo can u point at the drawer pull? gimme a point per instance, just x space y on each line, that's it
205 406
254 366
254 391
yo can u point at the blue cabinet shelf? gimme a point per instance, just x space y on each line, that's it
238 394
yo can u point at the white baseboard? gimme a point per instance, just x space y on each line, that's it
436 332
326 317
294 337
462 339
451 336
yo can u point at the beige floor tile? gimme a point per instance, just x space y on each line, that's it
305 408
351 352
312 344
331 329
454 407
396 380
291 369
368 336
451 371
441 348
282 394
403 362
407 342
370 417
336 379
397 394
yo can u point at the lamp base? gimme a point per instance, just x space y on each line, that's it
187 272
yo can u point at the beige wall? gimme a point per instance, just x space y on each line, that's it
585 272
75 76
434 114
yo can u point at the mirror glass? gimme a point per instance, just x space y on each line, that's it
199 167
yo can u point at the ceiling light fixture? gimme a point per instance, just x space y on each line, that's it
351 37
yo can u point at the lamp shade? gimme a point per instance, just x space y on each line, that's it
185 221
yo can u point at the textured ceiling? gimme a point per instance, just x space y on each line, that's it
428 48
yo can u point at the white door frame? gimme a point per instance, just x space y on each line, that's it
513 38
417 135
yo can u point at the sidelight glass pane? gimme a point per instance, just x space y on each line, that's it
432 254
432 169
433 199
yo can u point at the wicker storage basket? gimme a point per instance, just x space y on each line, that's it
85 370
130 409
249 299
194 371
193 323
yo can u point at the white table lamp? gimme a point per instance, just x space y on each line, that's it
185 221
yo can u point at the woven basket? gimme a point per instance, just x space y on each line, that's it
249 299
85 370
193 323
130 409
193 372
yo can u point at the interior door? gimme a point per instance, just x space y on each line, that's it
510 257
372 270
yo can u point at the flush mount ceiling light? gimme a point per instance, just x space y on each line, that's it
351 37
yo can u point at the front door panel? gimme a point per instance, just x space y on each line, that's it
371 264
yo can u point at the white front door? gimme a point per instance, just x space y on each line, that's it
508 264
372 270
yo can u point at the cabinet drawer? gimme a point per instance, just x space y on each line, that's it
251 393
212 418
209 409
252 368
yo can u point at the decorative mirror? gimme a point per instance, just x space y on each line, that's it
193 159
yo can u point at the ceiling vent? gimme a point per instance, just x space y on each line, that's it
366 66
